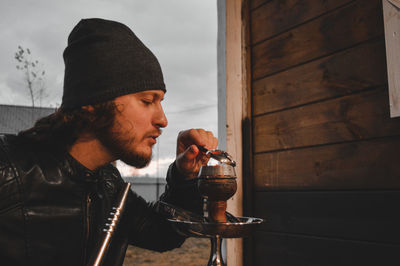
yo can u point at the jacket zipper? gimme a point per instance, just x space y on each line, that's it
88 201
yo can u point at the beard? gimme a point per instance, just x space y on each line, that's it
120 148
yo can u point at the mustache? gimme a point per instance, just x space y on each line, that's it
156 132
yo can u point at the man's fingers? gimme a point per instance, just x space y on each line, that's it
207 139
191 153
187 138
199 137
189 157
215 144
212 140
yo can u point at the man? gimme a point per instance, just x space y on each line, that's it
57 185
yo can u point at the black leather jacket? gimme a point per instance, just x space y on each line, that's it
53 209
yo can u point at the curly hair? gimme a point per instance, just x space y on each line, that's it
61 129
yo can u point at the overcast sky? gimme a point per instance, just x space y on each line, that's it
181 33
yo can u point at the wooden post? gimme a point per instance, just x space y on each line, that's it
234 105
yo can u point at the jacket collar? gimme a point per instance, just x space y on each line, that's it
79 172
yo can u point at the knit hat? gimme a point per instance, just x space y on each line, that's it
103 60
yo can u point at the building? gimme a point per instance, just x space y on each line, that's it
14 118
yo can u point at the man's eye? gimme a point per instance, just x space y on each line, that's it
147 102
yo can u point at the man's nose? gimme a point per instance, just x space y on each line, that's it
161 119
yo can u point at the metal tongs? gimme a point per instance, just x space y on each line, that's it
219 155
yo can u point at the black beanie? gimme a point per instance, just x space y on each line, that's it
103 60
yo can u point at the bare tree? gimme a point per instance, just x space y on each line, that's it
33 75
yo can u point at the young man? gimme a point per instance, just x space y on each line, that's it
57 185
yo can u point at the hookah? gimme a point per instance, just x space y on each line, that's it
217 184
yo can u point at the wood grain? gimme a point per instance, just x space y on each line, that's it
235 112
257 3
296 250
356 215
359 116
359 165
275 17
325 168
343 28
352 70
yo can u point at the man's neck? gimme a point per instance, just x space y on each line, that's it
91 153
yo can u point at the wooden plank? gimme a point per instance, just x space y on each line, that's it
359 165
278 16
391 11
343 73
291 250
257 3
337 30
355 215
359 116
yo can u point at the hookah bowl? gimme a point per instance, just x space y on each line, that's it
217 183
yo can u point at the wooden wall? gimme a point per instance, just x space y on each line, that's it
326 154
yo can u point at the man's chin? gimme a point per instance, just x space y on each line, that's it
137 160
139 156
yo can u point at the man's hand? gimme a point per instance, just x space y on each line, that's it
188 157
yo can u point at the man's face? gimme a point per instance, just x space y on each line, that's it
138 120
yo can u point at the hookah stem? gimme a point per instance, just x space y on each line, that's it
116 212
216 258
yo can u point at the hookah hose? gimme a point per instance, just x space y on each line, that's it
115 213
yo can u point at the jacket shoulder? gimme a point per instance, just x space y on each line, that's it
9 187
7 172
19 152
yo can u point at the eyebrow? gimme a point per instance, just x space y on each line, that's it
154 94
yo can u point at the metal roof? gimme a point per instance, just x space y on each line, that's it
14 118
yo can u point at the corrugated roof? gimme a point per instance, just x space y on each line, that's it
15 118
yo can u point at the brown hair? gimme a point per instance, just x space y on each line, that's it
61 129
